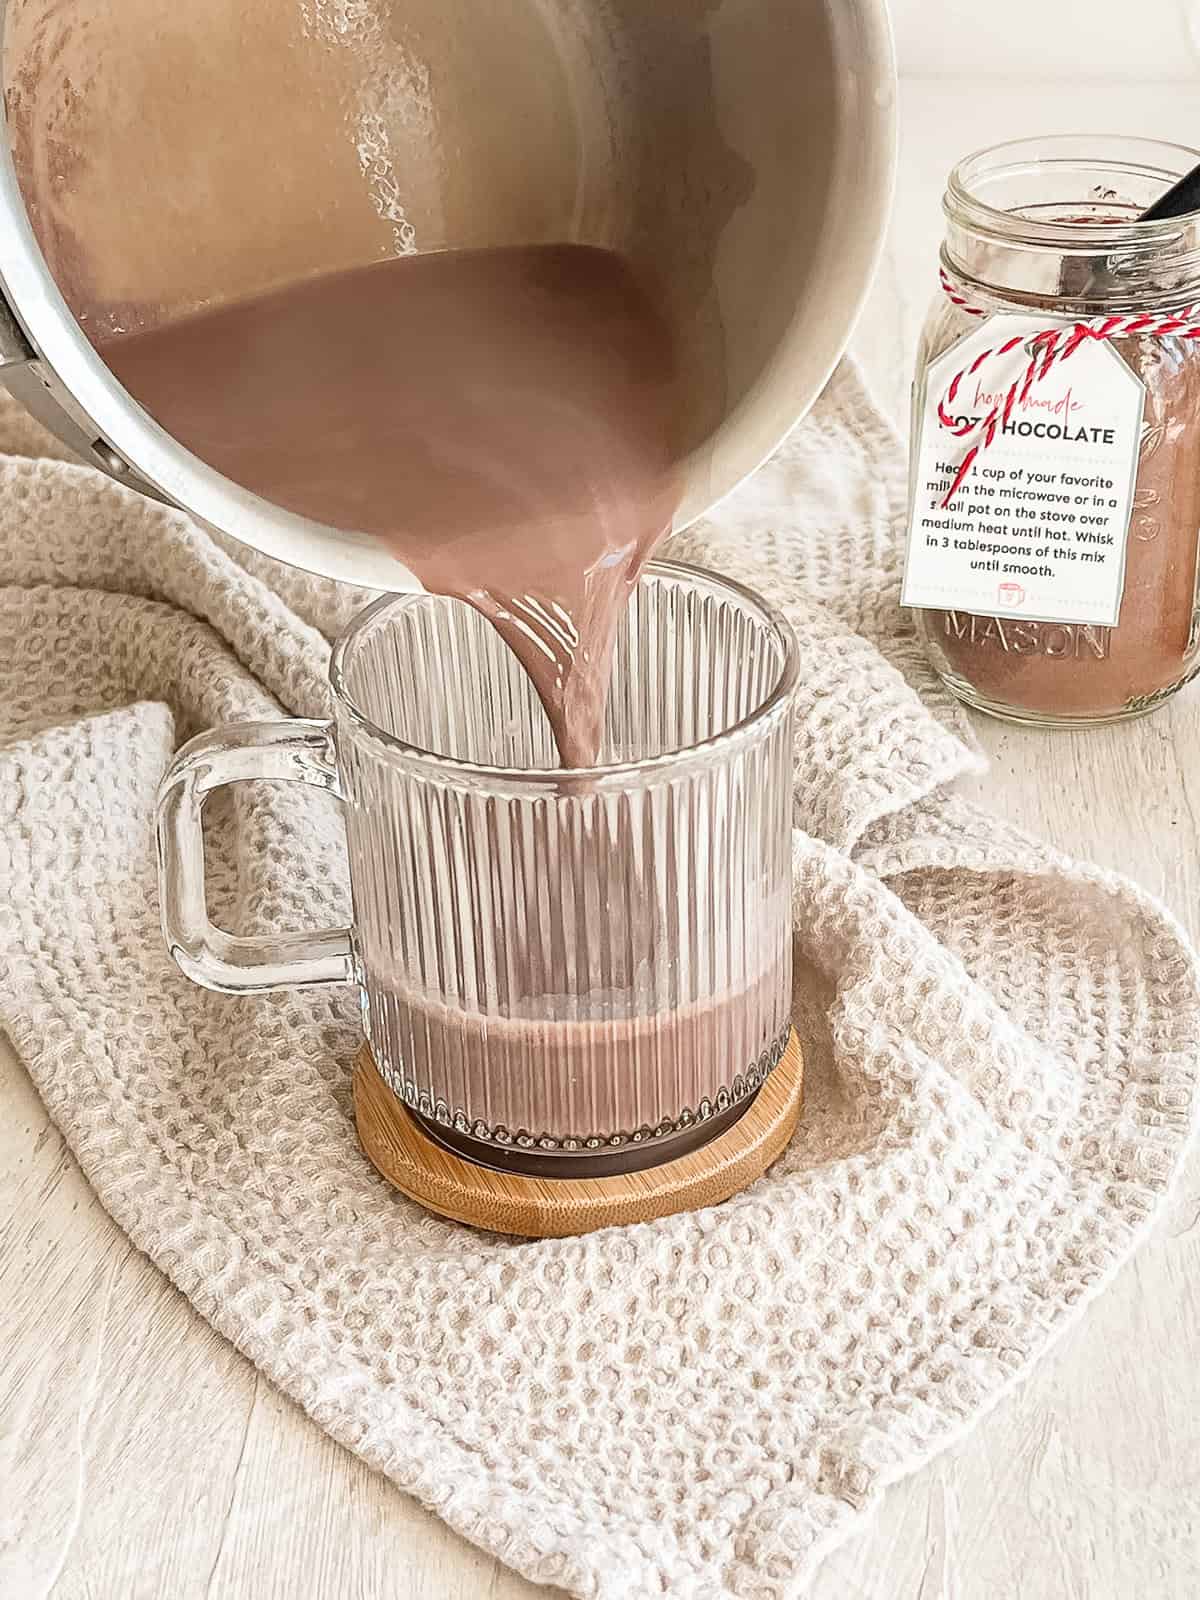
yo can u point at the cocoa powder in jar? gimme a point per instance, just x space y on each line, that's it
1077 671
1054 227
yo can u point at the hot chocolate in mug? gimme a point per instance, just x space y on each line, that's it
562 972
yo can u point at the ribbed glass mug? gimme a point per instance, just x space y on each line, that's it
562 972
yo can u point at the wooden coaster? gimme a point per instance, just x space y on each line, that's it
552 1208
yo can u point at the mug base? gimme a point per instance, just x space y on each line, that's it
606 1163
540 1207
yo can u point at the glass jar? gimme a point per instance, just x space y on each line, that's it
1047 227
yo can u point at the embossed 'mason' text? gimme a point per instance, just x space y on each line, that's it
1066 641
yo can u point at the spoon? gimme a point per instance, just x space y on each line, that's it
1086 277
1179 199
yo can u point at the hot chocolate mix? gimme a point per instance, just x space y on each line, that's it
502 419
1081 671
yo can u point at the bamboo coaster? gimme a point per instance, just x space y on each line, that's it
552 1208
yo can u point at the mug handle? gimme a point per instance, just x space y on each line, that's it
287 752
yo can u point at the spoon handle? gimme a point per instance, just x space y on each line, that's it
1181 198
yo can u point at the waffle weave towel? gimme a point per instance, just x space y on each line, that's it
1002 1046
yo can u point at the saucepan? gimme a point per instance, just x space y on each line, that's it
156 161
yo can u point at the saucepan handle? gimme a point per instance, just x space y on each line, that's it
289 752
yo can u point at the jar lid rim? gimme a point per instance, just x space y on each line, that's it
963 205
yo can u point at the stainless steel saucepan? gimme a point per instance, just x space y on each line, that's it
160 159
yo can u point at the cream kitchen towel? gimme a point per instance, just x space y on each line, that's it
1002 1045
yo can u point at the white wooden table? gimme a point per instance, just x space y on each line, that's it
141 1459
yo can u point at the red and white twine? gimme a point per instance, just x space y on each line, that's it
1046 348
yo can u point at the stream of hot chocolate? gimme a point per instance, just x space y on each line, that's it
502 419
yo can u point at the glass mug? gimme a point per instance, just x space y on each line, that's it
562 972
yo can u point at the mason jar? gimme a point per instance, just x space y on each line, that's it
1047 228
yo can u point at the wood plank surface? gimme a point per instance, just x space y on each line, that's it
141 1458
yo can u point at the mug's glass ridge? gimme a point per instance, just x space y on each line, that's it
559 966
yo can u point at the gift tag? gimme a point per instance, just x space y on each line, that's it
1038 529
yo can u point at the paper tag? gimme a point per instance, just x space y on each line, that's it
1039 528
